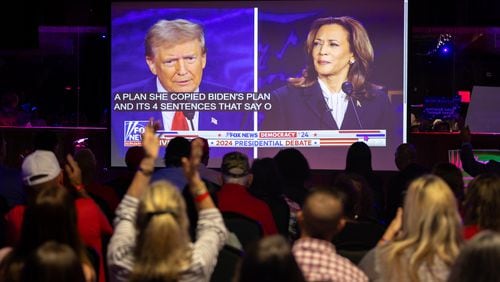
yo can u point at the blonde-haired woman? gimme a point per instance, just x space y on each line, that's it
151 240
422 242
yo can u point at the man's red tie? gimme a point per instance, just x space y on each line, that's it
179 122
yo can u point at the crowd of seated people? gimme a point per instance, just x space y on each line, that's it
245 221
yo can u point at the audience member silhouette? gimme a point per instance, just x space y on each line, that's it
53 262
269 260
359 161
51 215
103 195
295 172
478 259
406 162
482 205
469 163
453 177
359 197
177 149
362 231
267 185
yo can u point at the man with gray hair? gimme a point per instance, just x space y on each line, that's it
234 197
176 55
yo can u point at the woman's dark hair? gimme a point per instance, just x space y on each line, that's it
359 159
478 260
453 177
177 148
267 182
482 202
51 216
358 199
360 46
53 262
269 260
295 171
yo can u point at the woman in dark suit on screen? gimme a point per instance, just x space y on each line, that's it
333 92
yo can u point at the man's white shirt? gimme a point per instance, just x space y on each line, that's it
168 116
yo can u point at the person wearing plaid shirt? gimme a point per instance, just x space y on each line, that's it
320 219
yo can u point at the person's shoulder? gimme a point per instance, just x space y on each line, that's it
4 252
292 89
85 204
148 84
15 212
377 90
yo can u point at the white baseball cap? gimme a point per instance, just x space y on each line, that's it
39 167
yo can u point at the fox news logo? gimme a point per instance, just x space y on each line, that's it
132 132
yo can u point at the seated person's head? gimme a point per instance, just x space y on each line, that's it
53 262
88 165
482 202
405 154
453 177
41 169
177 148
266 181
133 157
163 237
51 216
293 165
478 259
322 214
235 169
359 158
269 260
206 150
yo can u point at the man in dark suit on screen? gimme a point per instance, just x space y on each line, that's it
176 55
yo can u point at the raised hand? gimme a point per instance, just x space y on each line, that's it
73 171
465 136
394 228
151 146
151 142
190 165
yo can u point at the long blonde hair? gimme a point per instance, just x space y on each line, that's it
431 229
162 250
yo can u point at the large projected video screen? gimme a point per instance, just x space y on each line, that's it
258 77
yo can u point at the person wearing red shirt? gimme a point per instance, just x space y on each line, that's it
234 197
